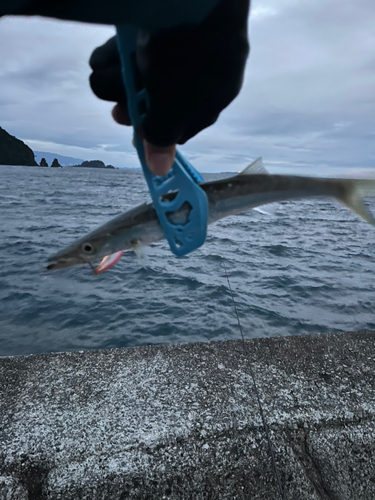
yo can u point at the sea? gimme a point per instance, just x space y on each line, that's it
306 267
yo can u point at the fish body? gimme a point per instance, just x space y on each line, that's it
248 190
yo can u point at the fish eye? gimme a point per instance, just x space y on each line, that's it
88 248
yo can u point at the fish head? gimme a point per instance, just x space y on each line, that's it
134 228
84 251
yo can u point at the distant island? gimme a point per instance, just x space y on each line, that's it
93 164
13 151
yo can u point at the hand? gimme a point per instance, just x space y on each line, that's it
106 82
190 75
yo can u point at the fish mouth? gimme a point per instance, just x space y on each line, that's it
63 263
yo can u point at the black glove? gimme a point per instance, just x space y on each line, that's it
190 75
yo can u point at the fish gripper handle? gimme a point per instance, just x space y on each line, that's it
187 235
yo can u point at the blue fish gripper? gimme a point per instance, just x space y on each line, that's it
179 188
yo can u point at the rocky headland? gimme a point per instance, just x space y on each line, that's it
13 151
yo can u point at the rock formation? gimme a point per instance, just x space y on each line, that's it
55 163
13 151
43 163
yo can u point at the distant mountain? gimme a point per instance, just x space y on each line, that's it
64 161
13 151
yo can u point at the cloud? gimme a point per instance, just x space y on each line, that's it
307 103
311 68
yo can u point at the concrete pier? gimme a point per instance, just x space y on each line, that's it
182 422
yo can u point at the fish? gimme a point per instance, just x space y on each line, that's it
251 188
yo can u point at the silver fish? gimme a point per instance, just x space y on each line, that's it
250 189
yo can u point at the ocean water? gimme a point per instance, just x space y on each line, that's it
308 268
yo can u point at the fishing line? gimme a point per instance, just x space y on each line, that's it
264 421
92 267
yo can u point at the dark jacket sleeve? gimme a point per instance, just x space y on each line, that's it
145 14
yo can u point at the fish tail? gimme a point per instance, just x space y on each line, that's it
353 196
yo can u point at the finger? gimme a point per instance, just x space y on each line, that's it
159 159
120 114
105 55
107 84
106 78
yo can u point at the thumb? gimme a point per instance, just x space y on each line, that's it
159 159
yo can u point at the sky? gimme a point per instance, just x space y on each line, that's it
307 105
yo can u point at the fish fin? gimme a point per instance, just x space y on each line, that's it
108 262
256 167
270 210
353 198
139 249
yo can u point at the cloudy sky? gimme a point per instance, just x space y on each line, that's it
307 105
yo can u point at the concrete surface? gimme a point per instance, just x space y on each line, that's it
182 422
